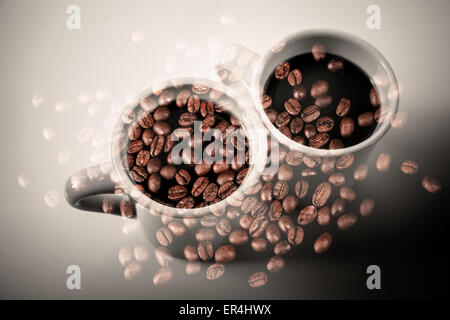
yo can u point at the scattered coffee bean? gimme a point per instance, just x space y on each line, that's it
257 279
409 167
383 163
366 207
275 264
431 184
215 271
323 243
346 221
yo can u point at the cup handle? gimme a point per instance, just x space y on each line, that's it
92 189
237 63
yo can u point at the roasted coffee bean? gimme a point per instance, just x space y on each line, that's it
380 115
311 113
168 172
163 256
294 158
218 168
208 220
183 177
318 51
145 120
193 103
205 234
295 236
210 192
301 188
147 137
285 131
226 189
337 179
154 182
347 194
233 213
282 248
336 144
224 177
257 279
238 237
292 106
345 161
327 165
321 194
319 140
205 250
275 264
323 216
374 97
290 203
323 243
241 175
161 114
258 226
177 192
366 207
128 161
273 234
202 169
142 158
280 190
162 276
365 119
182 98
135 146
285 173
259 244
285 223
346 221
282 70
295 77
148 103
296 125
223 227
207 123
271 114
225 254
193 267
409 167
266 101
308 173
107 206
310 131
157 145
164 236
311 161
206 108
431 184
338 207
166 97
190 222
248 204
245 221
335 65
126 209
361 172
299 92
343 107
190 253
324 124
383 163
347 127
260 208
139 174
134 131
186 203
187 119
323 101
199 87
177 228
275 210
307 215
319 88
266 192
161 128
282 119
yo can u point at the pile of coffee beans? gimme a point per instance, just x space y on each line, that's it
212 159
322 100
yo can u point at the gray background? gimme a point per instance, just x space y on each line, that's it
40 55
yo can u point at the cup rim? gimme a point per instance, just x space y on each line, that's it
258 144
376 136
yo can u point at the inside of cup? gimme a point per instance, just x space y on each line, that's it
177 132
354 50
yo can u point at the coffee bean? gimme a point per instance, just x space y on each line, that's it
207 123
310 131
299 92
259 244
135 146
193 267
282 248
366 207
285 131
292 106
307 215
162 276
177 228
260 208
218 168
257 279
187 119
223 227
168 172
273 234
193 103
177 192
347 127
282 119
147 137
280 190
134 131
186 203
336 144
323 216
285 172
294 158
202 168
282 70
327 165
241 175
258 226
148 103
183 177
225 254
318 51
157 145
337 179
161 114
182 98
164 236
285 223
275 264
126 209
290 203
166 97
383 163
206 108
311 161
271 114
311 113
301 188
163 256
323 243
275 210
248 204
321 194
107 206
347 194
319 140
296 125
161 128
319 88
224 177
190 222
295 236
154 182
190 253
343 107
323 101
205 250
295 77
431 184
346 221
139 174
409 167
142 158
308 173
226 189
365 119
266 101
335 65
238 237
374 97
361 172
380 115
210 192
324 124
245 221
233 213
338 207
